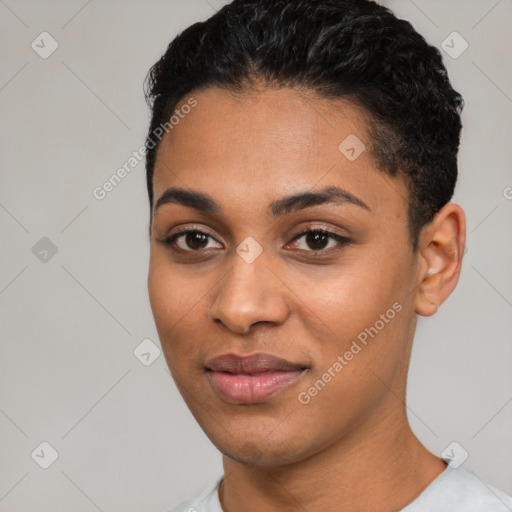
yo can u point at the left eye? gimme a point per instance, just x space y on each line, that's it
318 240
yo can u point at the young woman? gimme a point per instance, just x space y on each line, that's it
301 159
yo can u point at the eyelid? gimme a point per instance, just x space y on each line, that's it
318 227
342 240
171 239
187 228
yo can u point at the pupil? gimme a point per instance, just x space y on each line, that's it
196 240
316 240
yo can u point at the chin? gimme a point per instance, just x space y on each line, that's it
248 454
261 452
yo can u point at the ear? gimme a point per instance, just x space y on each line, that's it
441 248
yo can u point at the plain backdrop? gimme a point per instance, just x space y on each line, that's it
73 296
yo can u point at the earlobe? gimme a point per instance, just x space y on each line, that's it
442 245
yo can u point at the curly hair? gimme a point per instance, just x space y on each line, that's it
352 49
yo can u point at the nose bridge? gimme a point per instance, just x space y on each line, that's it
248 293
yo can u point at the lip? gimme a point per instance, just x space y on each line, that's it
251 379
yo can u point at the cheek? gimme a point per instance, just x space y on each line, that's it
179 301
173 302
171 293
359 314
162 296
353 377
348 298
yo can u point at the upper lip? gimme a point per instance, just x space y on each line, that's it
255 363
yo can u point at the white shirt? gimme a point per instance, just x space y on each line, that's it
454 490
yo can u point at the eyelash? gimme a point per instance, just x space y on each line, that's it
342 240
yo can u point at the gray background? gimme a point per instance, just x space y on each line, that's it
70 323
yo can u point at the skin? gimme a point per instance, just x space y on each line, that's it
351 444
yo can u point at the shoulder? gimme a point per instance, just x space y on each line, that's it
206 501
456 490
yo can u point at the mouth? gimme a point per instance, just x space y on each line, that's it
251 379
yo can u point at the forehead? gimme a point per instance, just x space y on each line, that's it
289 122
266 143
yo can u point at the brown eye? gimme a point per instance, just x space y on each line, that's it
196 240
317 240
190 241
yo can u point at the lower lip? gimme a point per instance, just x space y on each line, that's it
247 389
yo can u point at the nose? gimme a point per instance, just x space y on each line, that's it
250 293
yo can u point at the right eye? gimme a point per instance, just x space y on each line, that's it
190 241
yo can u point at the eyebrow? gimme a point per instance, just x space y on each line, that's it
299 201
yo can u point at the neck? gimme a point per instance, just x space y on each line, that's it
381 468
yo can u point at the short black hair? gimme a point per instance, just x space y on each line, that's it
353 49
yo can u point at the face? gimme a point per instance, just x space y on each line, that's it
246 264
